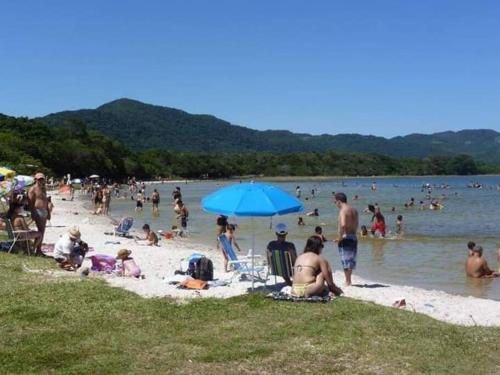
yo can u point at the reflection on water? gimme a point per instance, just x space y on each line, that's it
431 255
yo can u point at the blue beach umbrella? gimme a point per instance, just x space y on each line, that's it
251 199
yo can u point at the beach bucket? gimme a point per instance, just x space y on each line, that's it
169 235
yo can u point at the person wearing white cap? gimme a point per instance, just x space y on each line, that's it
70 250
282 244
39 208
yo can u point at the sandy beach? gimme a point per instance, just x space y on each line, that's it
159 263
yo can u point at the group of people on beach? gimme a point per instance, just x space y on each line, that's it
34 204
312 272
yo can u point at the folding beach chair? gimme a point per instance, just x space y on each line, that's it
10 237
280 264
241 265
124 226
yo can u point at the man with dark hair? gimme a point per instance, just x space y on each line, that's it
347 240
476 266
470 246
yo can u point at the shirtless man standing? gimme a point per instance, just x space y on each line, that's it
347 240
39 208
476 266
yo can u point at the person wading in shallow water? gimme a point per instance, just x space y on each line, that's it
347 240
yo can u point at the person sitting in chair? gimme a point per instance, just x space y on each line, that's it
19 225
283 245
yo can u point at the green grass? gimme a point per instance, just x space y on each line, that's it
50 324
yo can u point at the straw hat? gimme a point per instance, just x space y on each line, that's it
123 253
74 233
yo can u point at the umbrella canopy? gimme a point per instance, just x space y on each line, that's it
94 176
6 173
23 181
251 199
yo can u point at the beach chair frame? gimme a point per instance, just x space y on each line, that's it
124 226
242 265
15 236
280 264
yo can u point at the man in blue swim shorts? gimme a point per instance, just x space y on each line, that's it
347 240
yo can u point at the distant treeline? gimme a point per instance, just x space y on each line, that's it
28 145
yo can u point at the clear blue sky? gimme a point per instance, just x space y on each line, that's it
371 67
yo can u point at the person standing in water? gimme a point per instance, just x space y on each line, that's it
347 241
155 198
182 214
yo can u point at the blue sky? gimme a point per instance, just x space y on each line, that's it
371 67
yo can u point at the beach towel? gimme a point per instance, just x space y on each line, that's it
102 263
193 284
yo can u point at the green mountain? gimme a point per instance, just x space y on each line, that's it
143 126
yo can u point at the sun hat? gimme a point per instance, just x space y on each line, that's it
39 176
74 232
281 228
122 253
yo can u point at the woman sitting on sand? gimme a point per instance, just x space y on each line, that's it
313 274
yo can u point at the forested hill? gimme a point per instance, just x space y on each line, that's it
143 126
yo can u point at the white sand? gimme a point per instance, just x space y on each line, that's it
159 263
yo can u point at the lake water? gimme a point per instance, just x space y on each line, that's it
431 255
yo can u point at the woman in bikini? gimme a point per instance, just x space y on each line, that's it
313 274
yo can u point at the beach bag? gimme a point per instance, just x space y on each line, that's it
204 269
193 284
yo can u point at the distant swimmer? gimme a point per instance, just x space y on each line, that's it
363 231
318 231
476 265
435 205
315 212
301 221
298 192
399 225
374 186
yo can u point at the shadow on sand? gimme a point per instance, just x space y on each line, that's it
371 286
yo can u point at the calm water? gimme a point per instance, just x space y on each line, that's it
431 255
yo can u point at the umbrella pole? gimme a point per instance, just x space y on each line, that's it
253 250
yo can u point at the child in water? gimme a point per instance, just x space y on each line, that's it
128 267
399 225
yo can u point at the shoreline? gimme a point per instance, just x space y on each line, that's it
159 263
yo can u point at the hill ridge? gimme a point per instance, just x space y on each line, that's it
142 126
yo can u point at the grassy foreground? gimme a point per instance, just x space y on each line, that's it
52 324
